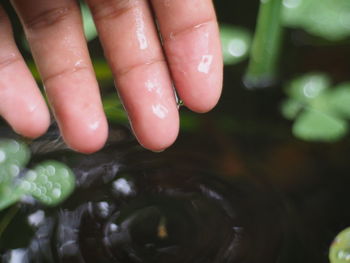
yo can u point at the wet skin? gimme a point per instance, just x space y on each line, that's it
145 70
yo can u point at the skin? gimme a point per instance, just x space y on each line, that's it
188 57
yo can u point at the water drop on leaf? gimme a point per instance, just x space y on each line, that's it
340 249
52 182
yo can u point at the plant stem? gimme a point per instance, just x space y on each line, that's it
266 45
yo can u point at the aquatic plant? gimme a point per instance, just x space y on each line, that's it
50 182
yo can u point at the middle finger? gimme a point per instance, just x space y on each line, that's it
131 44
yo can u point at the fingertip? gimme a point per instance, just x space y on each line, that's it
86 138
202 103
204 94
157 136
33 124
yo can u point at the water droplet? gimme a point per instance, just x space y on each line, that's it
48 185
205 63
37 191
113 227
14 170
56 192
51 170
237 47
160 111
291 3
14 146
140 30
36 218
103 209
31 175
122 186
26 186
2 156
312 88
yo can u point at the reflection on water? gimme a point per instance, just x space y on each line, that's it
194 206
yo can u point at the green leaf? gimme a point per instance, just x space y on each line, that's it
88 22
13 152
236 43
14 156
290 108
339 99
308 87
114 109
340 249
313 125
50 182
325 18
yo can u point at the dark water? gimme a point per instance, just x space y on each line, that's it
248 199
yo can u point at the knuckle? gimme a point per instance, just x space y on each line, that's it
8 61
111 9
190 28
49 17
125 70
66 73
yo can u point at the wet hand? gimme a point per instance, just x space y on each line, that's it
145 70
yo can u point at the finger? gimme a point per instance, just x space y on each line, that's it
54 32
22 105
191 41
131 45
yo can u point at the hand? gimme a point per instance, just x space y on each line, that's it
145 70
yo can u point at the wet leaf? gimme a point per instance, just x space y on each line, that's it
50 182
339 99
329 19
290 108
308 87
14 156
313 125
236 43
340 249
13 152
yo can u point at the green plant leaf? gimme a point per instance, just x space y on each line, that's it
13 152
114 109
325 18
313 125
308 87
339 99
340 249
50 182
14 156
236 43
88 23
290 108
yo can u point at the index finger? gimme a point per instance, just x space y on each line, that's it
192 45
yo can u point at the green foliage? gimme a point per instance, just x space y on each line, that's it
50 182
13 158
329 19
88 22
114 109
340 249
236 43
313 125
320 112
